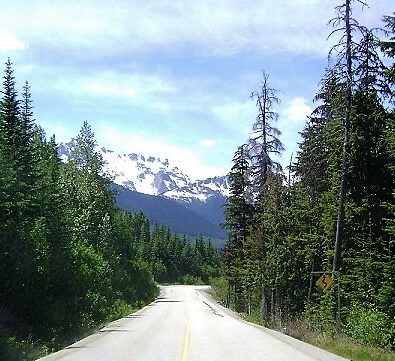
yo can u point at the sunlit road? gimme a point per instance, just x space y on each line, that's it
184 324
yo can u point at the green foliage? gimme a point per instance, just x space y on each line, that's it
175 259
388 46
219 285
192 221
69 258
271 271
320 313
15 349
350 349
369 326
191 280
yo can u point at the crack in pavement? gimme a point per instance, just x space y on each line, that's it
213 309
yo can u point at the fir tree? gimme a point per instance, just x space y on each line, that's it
388 46
264 141
85 155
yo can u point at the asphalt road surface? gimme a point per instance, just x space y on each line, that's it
185 324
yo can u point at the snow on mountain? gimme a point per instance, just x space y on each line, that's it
201 190
153 175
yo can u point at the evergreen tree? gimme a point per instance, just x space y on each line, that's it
239 207
264 141
16 192
238 215
85 155
346 150
10 149
388 46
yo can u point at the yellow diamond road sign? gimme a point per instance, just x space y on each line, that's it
324 283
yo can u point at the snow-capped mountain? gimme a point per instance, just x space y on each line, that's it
154 176
201 189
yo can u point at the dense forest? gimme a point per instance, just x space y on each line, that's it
332 210
69 258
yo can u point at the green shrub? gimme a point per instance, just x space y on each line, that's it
191 280
369 326
16 349
220 287
321 314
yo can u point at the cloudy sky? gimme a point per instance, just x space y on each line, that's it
170 78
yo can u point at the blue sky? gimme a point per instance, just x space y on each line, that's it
171 78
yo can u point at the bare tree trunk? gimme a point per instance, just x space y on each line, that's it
228 296
340 217
264 308
272 307
249 302
289 173
310 286
264 133
278 310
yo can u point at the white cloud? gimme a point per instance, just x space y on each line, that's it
166 94
61 131
108 89
225 27
221 28
129 85
235 115
156 49
186 158
208 143
297 110
151 91
9 42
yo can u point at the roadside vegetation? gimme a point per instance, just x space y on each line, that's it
331 212
70 260
347 341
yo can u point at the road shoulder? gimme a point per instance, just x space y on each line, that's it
316 352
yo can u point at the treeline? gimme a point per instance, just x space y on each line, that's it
283 226
173 259
69 258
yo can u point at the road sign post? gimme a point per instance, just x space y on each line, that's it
324 283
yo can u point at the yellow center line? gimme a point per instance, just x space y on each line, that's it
187 336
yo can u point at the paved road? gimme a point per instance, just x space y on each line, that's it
185 324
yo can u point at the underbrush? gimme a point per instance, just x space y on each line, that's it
328 338
191 280
13 348
183 280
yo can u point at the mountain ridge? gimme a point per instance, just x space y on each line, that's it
162 191
153 175
173 214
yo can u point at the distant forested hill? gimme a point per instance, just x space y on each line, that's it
200 219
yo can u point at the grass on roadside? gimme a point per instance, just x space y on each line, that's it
346 347
303 330
338 344
13 348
